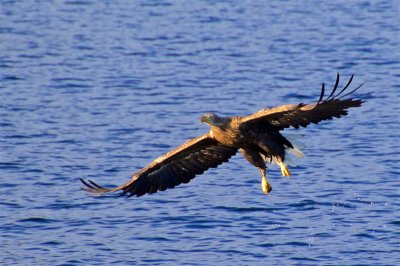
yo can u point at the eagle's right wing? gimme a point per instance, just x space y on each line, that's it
180 165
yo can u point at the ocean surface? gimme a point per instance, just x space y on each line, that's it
98 89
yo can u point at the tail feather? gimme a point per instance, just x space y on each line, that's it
294 139
291 154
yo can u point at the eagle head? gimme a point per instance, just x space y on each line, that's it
212 119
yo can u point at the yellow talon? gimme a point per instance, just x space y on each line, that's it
266 186
284 169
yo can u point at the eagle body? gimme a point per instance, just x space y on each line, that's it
250 139
257 136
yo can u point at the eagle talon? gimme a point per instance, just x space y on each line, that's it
266 186
267 189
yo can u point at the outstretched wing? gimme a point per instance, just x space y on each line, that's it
301 115
178 166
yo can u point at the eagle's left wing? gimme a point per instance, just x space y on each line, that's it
301 115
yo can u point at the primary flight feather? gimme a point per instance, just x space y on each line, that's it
258 137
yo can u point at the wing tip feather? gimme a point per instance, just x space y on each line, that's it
94 188
332 96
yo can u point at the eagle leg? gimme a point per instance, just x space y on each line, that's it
265 185
258 160
277 155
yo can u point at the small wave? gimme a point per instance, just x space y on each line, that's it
36 220
295 243
241 209
52 243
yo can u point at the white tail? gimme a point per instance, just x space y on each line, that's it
296 150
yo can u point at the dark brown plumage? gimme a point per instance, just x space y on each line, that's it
257 136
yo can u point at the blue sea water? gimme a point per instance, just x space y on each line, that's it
98 89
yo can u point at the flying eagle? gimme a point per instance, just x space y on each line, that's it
258 137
